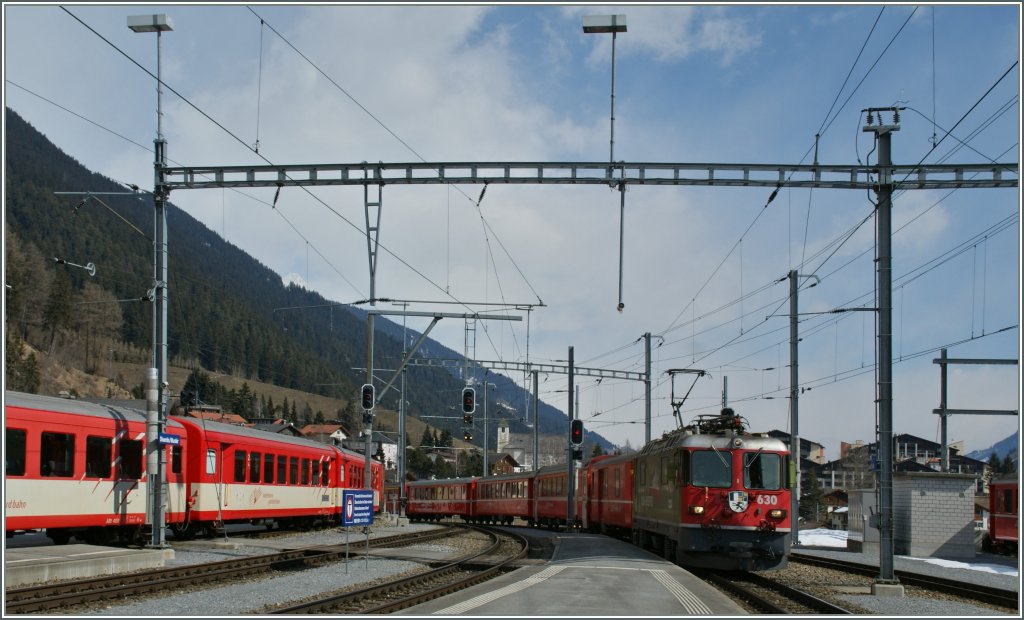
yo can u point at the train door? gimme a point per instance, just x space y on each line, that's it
212 498
174 490
128 475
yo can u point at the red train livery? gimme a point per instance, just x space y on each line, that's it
78 468
1003 515
707 495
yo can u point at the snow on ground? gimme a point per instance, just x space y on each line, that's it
823 537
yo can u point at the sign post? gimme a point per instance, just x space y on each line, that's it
357 509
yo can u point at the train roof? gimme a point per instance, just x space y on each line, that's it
721 441
463 480
77 407
244 431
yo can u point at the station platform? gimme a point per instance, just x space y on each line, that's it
588 576
28 565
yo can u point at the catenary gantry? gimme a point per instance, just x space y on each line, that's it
947 176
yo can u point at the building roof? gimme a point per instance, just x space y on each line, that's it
288 429
322 429
217 416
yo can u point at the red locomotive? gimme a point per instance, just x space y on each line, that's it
77 468
707 495
712 495
1003 514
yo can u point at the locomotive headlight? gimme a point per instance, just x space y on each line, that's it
696 510
776 513
737 442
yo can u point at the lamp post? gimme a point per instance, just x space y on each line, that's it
602 24
486 383
596 24
159 24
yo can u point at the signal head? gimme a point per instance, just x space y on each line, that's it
368 396
576 433
468 400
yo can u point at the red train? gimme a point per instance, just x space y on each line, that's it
79 469
708 495
1003 515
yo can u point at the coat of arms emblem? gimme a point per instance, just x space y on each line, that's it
738 501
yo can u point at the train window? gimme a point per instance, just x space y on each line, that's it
762 470
325 479
240 465
293 470
305 471
641 472
175 459
711 468
254 466
1008 500
668 470
282 466
617 483
268 468
98 455
684 467
14 452
211 461
130 465
57 455
316 473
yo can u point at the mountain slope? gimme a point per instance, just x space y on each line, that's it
221 305
1000 448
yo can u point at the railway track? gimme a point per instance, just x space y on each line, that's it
113 587
995 596
505 549
769 596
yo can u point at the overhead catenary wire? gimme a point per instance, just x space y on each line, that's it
386 128
264 158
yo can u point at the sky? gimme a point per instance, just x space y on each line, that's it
703 268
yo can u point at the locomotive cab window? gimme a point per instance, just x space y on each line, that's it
57 455
130 465
14 451
762 470
710 468
98 451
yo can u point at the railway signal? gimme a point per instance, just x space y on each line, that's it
468 400
467 436
368 396
576 433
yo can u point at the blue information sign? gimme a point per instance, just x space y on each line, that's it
356 507
167 439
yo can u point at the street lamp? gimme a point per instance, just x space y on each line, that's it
599 24
156 417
